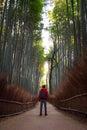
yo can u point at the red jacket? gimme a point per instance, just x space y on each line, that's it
46 95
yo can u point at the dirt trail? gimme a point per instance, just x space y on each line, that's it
31 120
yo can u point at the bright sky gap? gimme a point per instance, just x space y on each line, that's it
47 43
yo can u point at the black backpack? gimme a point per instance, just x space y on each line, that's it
42 94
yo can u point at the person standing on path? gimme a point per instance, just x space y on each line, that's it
42 97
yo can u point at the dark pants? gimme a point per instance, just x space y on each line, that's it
43 102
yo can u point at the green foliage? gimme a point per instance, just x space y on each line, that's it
49 55
41 54
41 59
37 32
59 17
35 10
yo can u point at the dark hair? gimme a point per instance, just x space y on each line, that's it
43 86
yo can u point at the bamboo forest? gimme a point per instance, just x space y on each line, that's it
23 55
21 52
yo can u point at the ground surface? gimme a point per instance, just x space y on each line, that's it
30 120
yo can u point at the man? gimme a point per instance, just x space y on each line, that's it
43 96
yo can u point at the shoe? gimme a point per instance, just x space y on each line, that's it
46 114
40 114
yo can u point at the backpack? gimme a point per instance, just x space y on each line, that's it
42 94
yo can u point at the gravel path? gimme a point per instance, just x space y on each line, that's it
31 120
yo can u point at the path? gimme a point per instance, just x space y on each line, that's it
31 120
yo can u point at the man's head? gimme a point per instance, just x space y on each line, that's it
43 86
